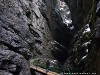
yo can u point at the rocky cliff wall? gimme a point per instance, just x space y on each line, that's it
74 41
84 17
24 33
50 28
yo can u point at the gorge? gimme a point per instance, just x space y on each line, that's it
67 31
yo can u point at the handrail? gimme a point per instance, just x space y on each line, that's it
43 71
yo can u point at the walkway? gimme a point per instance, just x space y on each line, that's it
42 70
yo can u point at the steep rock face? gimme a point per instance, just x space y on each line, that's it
40 26
76 45
67 33
81 11
95 66
86 39
72 40
45 28
16 40
60 29
24 32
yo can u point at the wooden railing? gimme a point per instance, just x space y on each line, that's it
41 71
